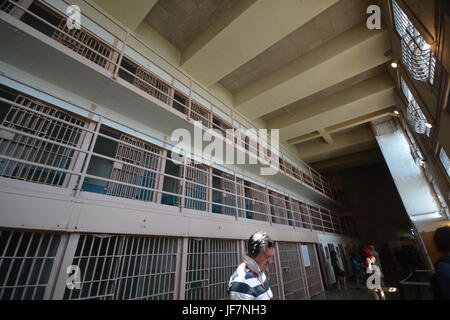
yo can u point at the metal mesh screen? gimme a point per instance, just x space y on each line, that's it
291 271
26 261
313 272
144 155
33 121
210 263
116 267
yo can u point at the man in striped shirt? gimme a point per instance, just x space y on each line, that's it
249 282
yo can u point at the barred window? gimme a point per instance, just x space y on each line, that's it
416 52
415 115
445 161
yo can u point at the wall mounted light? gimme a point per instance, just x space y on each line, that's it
394 65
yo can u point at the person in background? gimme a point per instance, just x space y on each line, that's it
440 282
376 255
249 282
339 272
357 268
368 264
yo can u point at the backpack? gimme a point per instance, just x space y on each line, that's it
435 287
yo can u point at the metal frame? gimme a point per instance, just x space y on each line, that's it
111 59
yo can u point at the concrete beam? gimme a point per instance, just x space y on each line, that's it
389 112
129 13
354 141
328 139
361 99
353 160
354 52
243 33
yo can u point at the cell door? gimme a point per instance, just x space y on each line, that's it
137 153
197 180
294 288
326 278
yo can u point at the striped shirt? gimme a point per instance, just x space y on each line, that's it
247 285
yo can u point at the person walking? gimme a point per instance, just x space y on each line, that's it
249 281
338 271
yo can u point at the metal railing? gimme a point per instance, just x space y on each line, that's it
43 144
115 61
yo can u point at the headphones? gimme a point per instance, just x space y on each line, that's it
256 241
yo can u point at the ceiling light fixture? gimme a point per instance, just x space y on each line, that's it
428 125
394 65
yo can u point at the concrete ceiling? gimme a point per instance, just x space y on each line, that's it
309 68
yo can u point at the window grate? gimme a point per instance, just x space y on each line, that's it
26 261
415 115
416 53
42 121
291 271
116 267
210 263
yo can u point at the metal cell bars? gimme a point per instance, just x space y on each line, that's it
210 263
326 220
225 191
144 155
312 273
199 113
197 186
26 261
116 267
278 209
36 140
7 6
316 218
255 202
337 228
294 288
273 280
415 116
149 83
87 46
148 268
416 53
111 63
221 125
